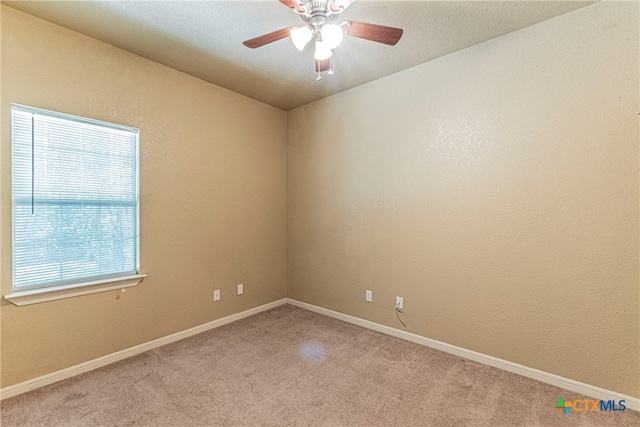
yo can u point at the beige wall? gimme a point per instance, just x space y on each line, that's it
213 180
495 189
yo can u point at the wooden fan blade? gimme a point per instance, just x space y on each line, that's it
337 5
267 38
291 4
373 32
323 65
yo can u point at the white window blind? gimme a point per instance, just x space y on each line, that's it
75 199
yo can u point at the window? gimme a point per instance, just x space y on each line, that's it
75 201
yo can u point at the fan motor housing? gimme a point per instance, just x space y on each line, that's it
315 7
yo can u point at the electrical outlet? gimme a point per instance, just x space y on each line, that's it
368 296
399 303
216 295
240 289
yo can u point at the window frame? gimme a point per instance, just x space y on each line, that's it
32 294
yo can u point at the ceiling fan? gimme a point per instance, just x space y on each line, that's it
319 17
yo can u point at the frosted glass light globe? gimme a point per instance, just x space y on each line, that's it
322 51
300 37
332 35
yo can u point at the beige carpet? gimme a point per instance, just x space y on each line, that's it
292 367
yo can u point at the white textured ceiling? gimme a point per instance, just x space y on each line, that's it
204 38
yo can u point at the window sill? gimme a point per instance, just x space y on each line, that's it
35 296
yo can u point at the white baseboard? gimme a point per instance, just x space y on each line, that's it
545 377
556 380
90 365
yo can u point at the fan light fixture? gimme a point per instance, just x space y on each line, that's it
328 37
319 18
